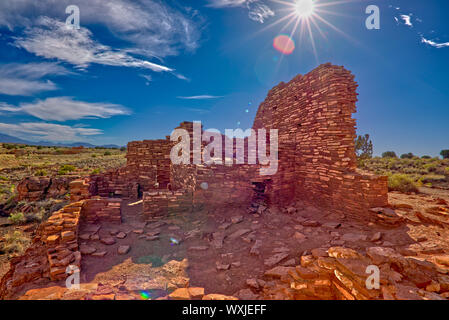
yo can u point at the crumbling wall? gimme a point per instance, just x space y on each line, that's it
313 114
317 162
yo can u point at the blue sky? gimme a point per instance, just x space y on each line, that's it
136 69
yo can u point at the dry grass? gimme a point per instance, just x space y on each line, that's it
429 172
19 162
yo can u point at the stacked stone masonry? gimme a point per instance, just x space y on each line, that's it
317 162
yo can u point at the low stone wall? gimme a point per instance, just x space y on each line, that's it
102 209
60 236
162 202
41 188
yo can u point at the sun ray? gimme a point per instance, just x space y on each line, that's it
312 40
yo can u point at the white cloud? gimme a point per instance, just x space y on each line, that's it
39 131
65 108
201 97
52 39
25 79
154 28
226 3
407 20
258 11
434 44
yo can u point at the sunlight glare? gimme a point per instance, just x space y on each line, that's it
304 8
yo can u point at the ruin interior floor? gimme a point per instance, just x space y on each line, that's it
223 250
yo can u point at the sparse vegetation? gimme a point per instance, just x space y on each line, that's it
15 242
65 169
48 161
389 154
407 156
17 218
402 183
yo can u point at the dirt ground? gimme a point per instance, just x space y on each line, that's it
221 249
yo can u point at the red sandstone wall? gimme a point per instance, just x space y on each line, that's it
313 114
317 162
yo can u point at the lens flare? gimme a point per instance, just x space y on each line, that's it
284 44
145 295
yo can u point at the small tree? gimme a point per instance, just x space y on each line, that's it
445 154
389 154
407 156
364 147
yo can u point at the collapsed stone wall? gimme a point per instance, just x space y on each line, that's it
316 152
313 114
55 246
42 188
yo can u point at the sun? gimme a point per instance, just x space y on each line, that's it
304 8
303 17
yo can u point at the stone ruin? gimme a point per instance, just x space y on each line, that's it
317 165
317 161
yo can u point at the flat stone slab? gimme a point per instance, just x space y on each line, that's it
237 219
86 250
122 250
198 248
275 259
279 272
239 233
99 254
121 235
107 241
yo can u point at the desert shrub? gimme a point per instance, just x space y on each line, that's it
122 149
9 146
94 156
17 218
407 156
431 167
389 154
107 153
65 169
446 171
2 178
95 171
40 173
402 183
36 216
15 242
426 157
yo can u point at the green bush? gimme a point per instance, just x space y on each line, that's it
15 242
95 171
17 218
402 183
2 178
446 171
65 169
389 154
407 156
107 153
40 173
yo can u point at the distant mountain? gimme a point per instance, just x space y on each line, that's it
10 139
